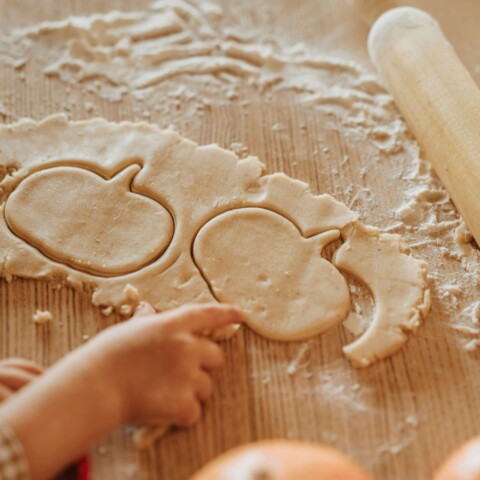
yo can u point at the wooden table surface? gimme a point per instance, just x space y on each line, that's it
398 418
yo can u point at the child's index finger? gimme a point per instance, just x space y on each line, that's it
198 318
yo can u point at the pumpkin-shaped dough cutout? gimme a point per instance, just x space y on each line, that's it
76 217
258 259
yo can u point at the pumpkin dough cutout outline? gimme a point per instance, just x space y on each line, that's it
338 304
121 180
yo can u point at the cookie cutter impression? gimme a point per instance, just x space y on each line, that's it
77 217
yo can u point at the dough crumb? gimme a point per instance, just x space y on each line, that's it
472 345
107 311
131 293
240 150
462 235
145 437
40 317
126 310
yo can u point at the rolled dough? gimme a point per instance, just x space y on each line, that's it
124 208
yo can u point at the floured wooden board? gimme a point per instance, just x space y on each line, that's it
323 119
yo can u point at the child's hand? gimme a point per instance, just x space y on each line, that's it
160 363
153 368
15 373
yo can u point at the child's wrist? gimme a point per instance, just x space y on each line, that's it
103 374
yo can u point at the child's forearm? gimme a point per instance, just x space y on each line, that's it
60 415
153 367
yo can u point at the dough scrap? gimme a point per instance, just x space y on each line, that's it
196 184
40 317
398 283
257 259
131 293
145 437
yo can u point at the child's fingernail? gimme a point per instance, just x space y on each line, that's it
144 308
140 307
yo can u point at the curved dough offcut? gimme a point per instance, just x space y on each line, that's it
398 283
258 259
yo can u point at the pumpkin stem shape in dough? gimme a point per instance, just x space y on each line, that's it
76 217
125 177
259 260
398 283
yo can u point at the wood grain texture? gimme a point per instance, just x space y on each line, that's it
431 380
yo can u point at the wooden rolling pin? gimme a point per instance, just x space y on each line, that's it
437 97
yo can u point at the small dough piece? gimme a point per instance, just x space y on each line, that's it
40 317
107 311
145 437
462 235
223 333
258 259
398 283
126 310
131 293
53 209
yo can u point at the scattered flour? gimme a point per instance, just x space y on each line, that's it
471 345
14 51
356 324
470 325
301 360
402 437
146 53
177 56
336 389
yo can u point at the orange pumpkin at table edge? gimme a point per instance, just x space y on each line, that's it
281 460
